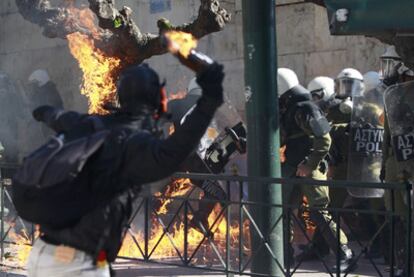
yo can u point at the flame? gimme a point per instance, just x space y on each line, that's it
177 95
180 43
164 247
171 129
282 155
177 188
382 119
98 69
309 224
21 246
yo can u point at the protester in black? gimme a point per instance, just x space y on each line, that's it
131 156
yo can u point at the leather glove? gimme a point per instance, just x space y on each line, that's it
40 112
382 174
211 82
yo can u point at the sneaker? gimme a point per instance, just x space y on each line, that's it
347 263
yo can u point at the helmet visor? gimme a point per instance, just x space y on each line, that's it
389 67
318 94
347 87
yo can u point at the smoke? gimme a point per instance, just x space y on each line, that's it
20 55
19 133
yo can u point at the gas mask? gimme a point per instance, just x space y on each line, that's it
389 68
348 87
346 106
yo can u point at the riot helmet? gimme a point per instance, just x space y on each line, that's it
322 88
139 91
390 62
348 83
289 89
286 80
393 69
371 80
40 77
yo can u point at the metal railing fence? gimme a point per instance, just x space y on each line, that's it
225 245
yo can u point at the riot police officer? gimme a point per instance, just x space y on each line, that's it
398 161
349 82
305 133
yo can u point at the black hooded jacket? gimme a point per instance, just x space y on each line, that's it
131 156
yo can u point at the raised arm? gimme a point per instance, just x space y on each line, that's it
149 159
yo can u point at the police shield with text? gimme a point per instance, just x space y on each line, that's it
366 136
398 158
399 105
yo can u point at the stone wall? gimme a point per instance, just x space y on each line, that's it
304 45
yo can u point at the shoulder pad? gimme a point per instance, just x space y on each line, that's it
314 118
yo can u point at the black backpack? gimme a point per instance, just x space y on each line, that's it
50 188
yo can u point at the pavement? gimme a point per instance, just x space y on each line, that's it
126 268
308 269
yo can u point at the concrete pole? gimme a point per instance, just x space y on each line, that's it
260 56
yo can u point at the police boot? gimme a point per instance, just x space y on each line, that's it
400 248
317 249
212 190
347 263
375 250
200 219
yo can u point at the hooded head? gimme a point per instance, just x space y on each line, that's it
139 91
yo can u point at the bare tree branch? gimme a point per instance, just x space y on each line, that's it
56 22
119 35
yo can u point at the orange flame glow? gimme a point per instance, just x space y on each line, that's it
177 188
21 246
98 69
177 95
164 246
282 154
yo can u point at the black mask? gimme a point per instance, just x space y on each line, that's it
139 89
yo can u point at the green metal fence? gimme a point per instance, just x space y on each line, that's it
169 239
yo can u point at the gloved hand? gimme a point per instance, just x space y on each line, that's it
382 174
40 112
303 170
211 82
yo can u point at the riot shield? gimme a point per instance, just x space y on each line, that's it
399 106
226 133
365 145
224 139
